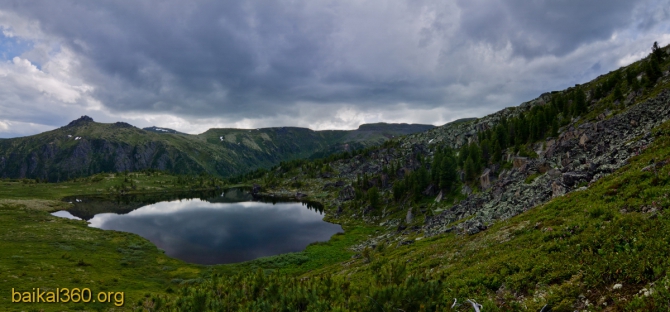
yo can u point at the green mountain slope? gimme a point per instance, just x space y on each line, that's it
84 147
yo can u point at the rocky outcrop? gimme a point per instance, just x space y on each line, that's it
347 193
581 155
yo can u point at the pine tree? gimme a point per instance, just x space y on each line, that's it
476 155
630 76
463 154
497 151
398 191
580 102
435 169
501 135
616 94
533 131
657 53
423 179
470 169
653 72
448 174
373 197
486 151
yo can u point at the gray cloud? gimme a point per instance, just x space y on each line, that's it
537 28
263 61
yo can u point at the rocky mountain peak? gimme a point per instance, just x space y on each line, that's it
80 121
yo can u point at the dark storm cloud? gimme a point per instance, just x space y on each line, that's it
536 28
236 59
163 55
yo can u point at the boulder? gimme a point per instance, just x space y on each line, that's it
475 227
409 217
255 189
466 190
584 139
543 167
519 162
554 173
572 178
557 189
299 195
550 143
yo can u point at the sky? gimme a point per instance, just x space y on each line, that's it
331 64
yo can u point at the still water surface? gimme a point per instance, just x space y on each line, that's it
213 230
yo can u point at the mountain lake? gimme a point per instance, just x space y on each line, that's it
211 227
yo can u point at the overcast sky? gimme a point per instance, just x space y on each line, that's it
194 65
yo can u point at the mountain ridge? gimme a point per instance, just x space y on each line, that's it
85 147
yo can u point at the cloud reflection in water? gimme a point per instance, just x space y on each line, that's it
211 233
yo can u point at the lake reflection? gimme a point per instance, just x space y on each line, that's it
200 231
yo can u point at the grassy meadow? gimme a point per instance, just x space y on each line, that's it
48 252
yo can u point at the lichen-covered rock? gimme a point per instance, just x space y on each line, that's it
557 189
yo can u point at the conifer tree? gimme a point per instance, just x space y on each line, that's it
448 175
657 52
653 72
501 135
486 152
435 167
398 191
580 102
616 94
463 154
470 169
373 197
630 75
497 151
476 155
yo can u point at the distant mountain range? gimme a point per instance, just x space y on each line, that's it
86 147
